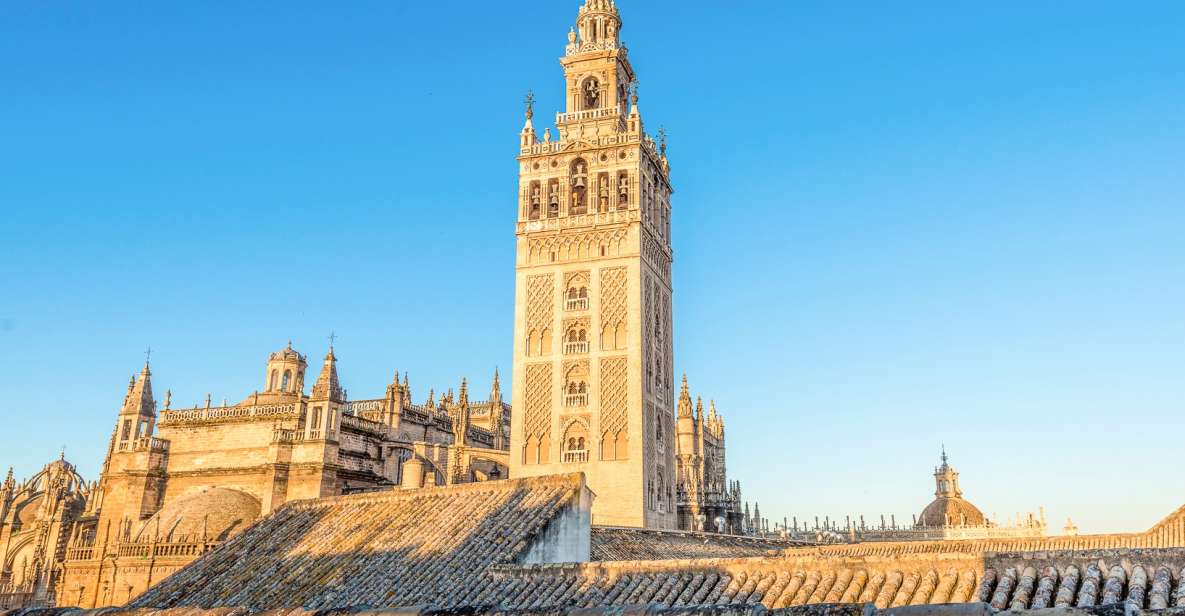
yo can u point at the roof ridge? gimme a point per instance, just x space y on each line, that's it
575 480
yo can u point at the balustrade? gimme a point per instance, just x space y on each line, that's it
576 400
573 348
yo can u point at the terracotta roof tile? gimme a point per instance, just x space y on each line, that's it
378 549
615 543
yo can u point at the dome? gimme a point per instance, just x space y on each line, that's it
286 354
951 511
30 512
216 513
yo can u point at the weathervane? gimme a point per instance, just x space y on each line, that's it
147 354
332 338
633 89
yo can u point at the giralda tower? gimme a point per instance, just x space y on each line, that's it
593 355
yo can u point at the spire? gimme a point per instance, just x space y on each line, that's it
431 402
139 399
9 481
327 386
712 410
684 399
463 399
699 409
496 388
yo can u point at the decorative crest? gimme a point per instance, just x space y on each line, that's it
530 102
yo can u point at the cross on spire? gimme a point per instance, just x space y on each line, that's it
530 102
147 354
332 338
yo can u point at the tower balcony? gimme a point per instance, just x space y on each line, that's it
575 400
576 303
600 113
576 456
575 348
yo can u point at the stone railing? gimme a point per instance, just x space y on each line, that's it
575 348
575 400
576 303
281 435
86 552
357 407
362 425
588 114
226 413
555 147
575 457
164 550
578 220
145 443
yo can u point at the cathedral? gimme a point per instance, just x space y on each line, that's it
179 481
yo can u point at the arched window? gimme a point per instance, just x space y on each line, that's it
284 383
271 383
591 92
575 443
579 179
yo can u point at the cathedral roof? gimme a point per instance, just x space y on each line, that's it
210 515
616 543
951 511
414 547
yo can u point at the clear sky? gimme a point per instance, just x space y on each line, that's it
896 225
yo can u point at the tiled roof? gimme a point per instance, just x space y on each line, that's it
616 543
1139 579
772 582
1144 578
380 549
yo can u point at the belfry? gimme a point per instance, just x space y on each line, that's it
593 354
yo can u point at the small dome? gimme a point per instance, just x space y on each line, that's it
286 354
217 513
951 511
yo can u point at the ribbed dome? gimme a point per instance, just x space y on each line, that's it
951 511
215 512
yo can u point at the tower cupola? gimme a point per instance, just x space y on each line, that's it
285 371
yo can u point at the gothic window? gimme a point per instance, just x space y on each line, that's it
591 92
127 430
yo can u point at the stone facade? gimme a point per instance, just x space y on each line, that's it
593 350
707 500
176 483
36 519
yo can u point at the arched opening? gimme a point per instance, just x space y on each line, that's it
591 93
286 381
575 443
579 180
271 382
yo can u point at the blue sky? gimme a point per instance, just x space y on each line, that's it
895 225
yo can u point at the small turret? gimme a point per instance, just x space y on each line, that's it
684 399
327 386
137 418
285 371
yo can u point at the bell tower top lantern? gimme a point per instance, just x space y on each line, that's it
595 63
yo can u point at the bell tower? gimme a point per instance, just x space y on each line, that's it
593 357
